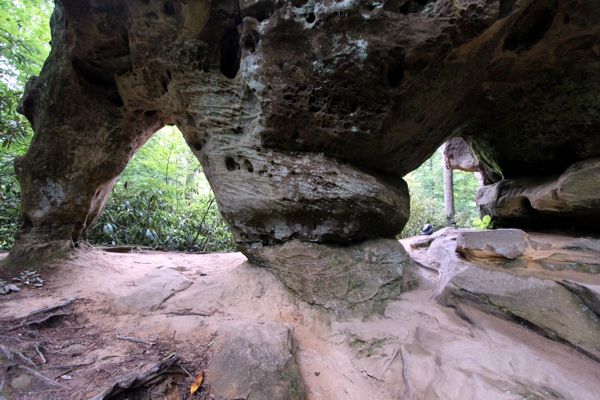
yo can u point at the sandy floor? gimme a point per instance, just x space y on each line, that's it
442 356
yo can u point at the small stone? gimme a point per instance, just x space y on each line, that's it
21 382
501 243
75 350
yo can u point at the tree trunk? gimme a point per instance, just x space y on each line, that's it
448 195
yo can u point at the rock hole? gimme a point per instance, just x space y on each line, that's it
169 75
311 18
395 75
150 113
527 207
353 107
198 146
231 164
165 86
248 166
169 9
249 43
230 53
315 109
146 1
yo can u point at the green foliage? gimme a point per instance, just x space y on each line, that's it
24 45
423 210
24 37
162 200
426 185
483 223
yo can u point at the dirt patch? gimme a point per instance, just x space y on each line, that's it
415 345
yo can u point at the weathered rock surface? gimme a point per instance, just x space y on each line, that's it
569 200
503 243
255 361
458 156
550 307
589 294
506 274
444 353
153 289
304 114
346 278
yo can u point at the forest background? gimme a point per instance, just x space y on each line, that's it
162 199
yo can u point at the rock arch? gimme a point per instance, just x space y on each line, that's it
305 114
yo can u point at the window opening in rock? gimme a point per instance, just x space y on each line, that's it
163 200
426 187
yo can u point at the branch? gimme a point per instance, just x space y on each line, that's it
42 377
405 373
48 309
135 340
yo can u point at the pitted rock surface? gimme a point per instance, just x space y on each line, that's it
304 114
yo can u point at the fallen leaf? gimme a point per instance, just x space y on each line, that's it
196 385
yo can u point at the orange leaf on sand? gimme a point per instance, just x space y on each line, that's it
196 385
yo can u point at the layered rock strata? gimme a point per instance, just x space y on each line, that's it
548 283
569 200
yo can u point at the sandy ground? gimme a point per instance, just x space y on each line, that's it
441 355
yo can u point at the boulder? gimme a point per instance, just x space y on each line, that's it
499 243
349 279
570 200
153 289
255 360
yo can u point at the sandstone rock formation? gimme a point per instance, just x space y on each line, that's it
349 280
500 243
458 156
548 283
255 361
304 114
568 200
